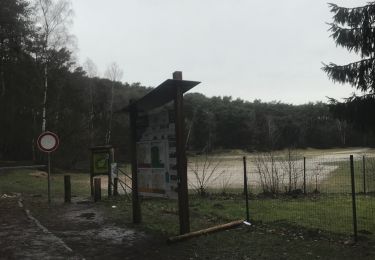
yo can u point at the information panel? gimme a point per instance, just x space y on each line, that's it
156 154
100 161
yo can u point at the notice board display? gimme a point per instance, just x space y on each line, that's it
156 154
100 161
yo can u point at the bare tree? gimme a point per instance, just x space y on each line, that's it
269 173
316 173
91 71
53 18
291 165
225 180
113 73
205 172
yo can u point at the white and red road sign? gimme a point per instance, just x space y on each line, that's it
48 142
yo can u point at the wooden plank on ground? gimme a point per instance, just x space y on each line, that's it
205 231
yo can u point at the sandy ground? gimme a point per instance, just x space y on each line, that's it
229 170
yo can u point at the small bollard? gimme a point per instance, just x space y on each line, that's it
67 189
97 189
115 186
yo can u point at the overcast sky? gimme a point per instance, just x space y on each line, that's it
268 50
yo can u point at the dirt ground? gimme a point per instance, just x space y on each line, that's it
74 231
21 238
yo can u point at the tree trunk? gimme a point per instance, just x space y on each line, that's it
44 120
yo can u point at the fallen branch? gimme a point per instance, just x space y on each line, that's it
205 231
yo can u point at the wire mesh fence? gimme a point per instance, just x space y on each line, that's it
313 191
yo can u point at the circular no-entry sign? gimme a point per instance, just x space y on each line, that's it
48 142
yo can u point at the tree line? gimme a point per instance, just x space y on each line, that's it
223 123
43 88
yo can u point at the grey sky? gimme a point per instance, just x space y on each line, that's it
268 50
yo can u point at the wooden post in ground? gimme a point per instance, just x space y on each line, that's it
137 218
183 200
111 159
91 175
67 189
115 186
97 189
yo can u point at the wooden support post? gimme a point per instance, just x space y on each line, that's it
183 200
91 175
110 161
67 189
353 199
137 218
115 186
97 189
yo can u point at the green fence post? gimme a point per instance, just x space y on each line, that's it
304 175
364 173
245 189
353 199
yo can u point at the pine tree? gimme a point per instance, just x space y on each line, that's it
354 29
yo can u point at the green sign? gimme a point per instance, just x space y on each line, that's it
100 162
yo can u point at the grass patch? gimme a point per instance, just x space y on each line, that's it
35 183
339 181
329 212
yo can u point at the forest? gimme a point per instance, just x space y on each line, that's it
83 109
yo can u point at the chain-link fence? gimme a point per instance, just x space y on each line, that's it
315 191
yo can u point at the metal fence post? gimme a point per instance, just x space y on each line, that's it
304 175
245 189
364 173
353 199
115 186
49 178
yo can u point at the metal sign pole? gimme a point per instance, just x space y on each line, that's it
49 177
48 142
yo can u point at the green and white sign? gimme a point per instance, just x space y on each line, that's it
100 161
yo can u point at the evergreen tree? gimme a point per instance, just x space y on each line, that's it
354 29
